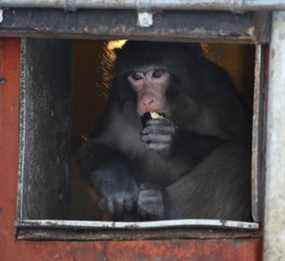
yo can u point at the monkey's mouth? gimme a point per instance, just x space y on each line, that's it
151 115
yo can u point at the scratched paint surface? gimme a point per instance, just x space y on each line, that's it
11 249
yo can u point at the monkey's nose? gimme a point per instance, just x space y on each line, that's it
147 101
146 104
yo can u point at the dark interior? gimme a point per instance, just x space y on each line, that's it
65 89
91 73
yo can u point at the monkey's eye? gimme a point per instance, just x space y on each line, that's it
158 73
136 76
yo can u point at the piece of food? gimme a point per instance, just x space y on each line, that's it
151 115
156 115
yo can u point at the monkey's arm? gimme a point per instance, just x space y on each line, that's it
110 173
185 150
221 177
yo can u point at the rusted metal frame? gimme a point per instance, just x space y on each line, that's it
107 24
79 224
97 226
258 126
274 219
37 141
262 21
102 230
22 133
233 5
85 235
61 233
23 225
1 87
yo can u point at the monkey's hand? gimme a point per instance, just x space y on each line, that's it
117 189
150 205
158 134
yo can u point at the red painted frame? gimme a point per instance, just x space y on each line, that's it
13 250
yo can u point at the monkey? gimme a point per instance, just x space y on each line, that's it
192 163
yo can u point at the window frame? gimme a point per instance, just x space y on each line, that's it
190 228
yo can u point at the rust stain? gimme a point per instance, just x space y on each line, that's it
184 250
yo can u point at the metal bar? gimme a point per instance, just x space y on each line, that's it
122 24
274 225
256 133
214 223
223 5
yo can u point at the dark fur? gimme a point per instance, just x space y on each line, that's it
207 172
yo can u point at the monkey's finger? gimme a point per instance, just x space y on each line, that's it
149 195
158 146
150 203
147 192
146 186
156 138
159 129
162 122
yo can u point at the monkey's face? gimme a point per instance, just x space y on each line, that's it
150 84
